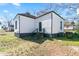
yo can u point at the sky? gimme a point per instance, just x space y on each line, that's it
9 10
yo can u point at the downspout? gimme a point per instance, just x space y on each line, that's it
51 24
19 25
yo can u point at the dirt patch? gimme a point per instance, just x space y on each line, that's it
76 48
50 48
3 54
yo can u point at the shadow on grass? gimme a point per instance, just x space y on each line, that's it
69 37
66 37
39 40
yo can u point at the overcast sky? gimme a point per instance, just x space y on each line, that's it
9 10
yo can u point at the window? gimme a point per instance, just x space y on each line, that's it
40 26
15 24
61 25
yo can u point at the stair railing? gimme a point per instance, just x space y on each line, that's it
36 30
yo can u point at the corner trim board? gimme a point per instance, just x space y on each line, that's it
19 26
51 23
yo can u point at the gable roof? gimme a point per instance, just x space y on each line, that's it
30 16
34 17
50 12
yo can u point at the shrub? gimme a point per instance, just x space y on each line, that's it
77 31
69 35
76 35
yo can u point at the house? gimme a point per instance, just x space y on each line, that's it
49 24
69 25
10 26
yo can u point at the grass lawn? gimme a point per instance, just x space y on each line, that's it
70 43
10 43
17 46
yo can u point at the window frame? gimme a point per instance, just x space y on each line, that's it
60 25
15 24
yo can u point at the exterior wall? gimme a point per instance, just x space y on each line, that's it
47 26
46 23
16 19
56 24
11 25
26 25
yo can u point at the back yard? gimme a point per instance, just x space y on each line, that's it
11 45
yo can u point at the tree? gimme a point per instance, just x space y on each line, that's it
72 23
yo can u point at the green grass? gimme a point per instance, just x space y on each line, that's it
8 41
70 43
17 46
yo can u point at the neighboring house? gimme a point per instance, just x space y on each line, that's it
76 27
71 27
68 27
10 26
49 23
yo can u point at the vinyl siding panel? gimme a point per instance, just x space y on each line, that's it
26 25
46 22
56 24
16 19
